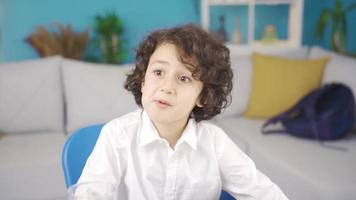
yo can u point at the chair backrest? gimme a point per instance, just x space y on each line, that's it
77 149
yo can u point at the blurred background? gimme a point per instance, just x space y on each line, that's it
43 101
90 20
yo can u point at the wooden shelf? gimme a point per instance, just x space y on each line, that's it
228 2
295 19
246 2
246 49
273 2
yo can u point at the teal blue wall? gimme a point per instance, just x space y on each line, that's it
139 16
1 25
312 10
18 18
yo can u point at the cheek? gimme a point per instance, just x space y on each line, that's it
199 90
144 84
146 91
145 88
143 96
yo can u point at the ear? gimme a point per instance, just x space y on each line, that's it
198 102
142 84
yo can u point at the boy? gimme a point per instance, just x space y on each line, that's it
167 150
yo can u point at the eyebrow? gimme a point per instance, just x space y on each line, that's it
167 63
160 62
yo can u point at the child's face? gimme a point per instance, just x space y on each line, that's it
169 92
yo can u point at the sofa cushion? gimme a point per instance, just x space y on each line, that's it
31 96
278 83
31 166
302 168
242 69
340 68
95 93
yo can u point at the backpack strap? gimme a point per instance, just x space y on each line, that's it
310 111
284 115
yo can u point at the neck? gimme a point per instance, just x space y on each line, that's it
170 132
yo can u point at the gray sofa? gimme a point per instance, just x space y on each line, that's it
43 100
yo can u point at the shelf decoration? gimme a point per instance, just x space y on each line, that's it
236 34
65 41
221 32
269 35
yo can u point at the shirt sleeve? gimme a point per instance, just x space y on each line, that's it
103 165
240 178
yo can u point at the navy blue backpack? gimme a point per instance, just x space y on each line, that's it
326 113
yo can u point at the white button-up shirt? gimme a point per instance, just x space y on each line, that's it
129 153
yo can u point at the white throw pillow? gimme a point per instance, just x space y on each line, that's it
242 69
31 96
339 69
95 93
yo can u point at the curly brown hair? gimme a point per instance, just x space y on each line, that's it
207 58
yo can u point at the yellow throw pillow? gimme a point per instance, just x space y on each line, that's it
278 83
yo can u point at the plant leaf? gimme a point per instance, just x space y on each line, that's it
350 7
322 22
343 33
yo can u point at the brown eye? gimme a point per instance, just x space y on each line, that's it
185 79
157 72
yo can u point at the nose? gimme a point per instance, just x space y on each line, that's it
168 85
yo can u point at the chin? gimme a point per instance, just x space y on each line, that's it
160 117
164 117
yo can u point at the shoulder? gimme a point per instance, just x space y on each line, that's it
210 134
123 128
225 149
210 129
127 120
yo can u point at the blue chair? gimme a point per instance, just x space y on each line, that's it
77 149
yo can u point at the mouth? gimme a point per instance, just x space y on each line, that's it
162 103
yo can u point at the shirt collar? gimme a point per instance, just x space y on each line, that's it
149 134
189 135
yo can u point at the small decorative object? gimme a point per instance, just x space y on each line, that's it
65 42
221 32
269 34
109 29
236 34
338 19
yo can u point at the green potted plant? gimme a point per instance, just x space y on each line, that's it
337 17
109 29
